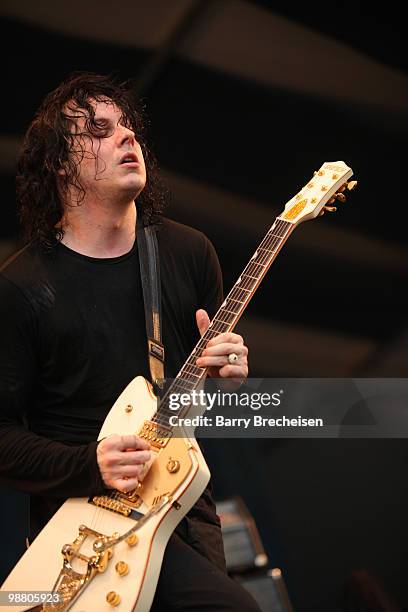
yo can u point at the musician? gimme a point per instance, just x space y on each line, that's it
73 328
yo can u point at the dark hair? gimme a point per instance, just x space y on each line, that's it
48 146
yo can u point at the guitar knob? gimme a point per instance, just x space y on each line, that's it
132 540
173 466
122 568
113 599
351 185
341 197
330 208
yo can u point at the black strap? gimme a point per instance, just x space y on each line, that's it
150 275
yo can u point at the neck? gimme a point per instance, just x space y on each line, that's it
100 229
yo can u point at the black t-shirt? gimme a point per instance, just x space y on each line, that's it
73 335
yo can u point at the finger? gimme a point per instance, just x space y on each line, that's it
134 457
203 321
128 472
132 442
233 371
126 484
226 337
220 362
212 362
224 349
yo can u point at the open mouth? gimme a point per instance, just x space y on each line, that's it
129 158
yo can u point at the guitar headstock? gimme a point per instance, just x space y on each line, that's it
325 187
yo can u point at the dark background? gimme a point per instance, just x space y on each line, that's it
246 99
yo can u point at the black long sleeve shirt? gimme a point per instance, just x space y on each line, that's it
73 335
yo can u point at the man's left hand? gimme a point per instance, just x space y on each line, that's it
216 353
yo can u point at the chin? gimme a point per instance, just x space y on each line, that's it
134 187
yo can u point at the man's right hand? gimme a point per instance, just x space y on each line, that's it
121 460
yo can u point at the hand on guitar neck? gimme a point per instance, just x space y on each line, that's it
217 355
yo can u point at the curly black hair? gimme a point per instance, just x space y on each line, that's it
48 147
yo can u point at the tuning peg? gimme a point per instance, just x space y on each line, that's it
340 196
332 200
321 213
330 208
351 185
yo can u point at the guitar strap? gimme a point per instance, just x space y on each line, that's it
150 275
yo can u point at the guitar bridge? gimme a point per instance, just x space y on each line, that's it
114 505
122 503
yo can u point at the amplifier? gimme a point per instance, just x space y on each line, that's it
242 544
268 589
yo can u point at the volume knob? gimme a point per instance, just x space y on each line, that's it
113 599
132 540
173 466
122 568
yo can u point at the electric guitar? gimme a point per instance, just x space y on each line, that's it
106 551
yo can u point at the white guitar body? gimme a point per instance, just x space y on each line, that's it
40 566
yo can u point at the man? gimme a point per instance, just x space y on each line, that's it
73 326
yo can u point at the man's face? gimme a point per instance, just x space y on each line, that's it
112 166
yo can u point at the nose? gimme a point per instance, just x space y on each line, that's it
126 135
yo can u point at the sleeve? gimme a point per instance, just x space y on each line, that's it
29 462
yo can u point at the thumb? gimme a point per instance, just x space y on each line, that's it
203 321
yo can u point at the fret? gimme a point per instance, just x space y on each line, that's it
240 302
229 311
249 276
265 249
233 300
183 372
211 333
241 295
228 315
224 327
183 386
259 267
200 345
192 370
193 366
272 240
254 272
256 263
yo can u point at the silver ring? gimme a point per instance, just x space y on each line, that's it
232 358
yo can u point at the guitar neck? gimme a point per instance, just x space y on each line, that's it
324 187
231 310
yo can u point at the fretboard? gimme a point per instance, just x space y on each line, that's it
229 313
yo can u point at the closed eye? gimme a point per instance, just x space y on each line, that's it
102 127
